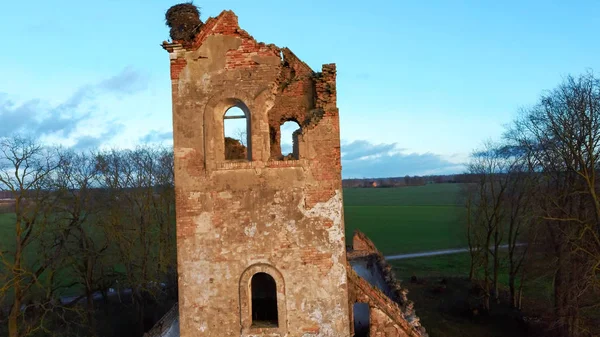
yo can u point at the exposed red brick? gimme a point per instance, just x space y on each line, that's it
280 217
361 242
314 329
388 314
176 67
233 215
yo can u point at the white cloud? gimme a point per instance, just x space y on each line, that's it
79 112
362 159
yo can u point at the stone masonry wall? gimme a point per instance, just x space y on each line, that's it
236 218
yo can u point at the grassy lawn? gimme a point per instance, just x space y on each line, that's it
426 195
453 265
449 313
457 265
422 218
407 229
398 220
31 255
66 275
7 230
407 219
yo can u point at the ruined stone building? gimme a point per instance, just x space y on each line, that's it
260 240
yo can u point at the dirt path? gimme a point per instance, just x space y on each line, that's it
436 252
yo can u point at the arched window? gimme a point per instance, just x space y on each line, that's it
235 125
264 301
289 132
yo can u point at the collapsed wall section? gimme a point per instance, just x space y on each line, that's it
385 315
391 312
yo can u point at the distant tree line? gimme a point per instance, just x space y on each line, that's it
409 180
87 247
537 191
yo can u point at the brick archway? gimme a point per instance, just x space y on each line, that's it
214 111
246 300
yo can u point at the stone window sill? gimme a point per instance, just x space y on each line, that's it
262 331
284 163
244 164
235 165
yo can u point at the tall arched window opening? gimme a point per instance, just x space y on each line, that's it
289 132
235 125
264 301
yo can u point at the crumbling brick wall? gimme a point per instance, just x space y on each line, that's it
360 242
396 306
236 218
385 315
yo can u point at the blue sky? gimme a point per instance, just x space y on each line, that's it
420 83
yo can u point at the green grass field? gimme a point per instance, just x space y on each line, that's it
457 265
7 230
407 219
426 195
398 220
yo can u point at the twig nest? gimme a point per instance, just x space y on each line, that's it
184 20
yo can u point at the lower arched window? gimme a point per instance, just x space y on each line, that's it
264 300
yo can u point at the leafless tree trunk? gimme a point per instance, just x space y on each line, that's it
26 170
472 240
88 245
490 168
141 220
561 136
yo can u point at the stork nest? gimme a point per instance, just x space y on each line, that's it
184 20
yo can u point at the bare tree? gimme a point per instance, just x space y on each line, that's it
241 135
561 136
139 218
164 213
473 232
27 170
489 165
84 223
87 245
518 203
500 211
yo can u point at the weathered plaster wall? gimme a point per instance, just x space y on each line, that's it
234 218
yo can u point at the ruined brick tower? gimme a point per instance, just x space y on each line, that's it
260 240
